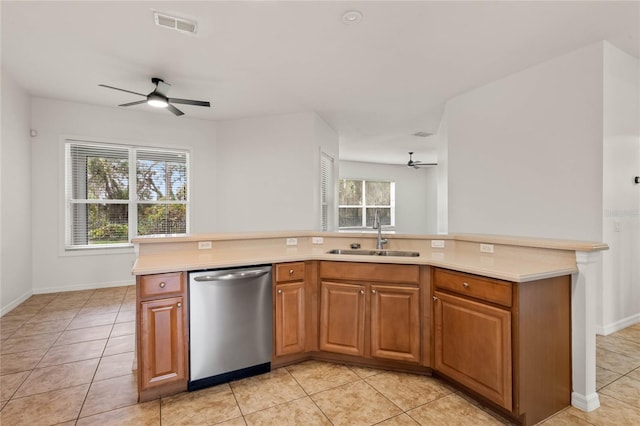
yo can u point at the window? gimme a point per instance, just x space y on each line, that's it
114 193
359 199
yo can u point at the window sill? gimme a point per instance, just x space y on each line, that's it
98 250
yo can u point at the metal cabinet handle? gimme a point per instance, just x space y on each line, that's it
279 291
465 285
290 271
163 284
373 291
361 291
435 299
179 305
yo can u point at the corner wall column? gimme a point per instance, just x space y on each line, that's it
583 331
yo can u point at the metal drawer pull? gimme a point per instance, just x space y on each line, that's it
465 285
361 291
435 299
290 271
163 284
279 291
373 291
179 305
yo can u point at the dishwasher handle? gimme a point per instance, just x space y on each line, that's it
232 275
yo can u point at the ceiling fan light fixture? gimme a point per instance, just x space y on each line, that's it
157 101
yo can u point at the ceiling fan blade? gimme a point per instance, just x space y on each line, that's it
122 90
189 102
174 110
133 103
162 88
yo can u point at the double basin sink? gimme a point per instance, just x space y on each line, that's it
362 252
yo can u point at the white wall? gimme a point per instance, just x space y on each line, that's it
15 187
57 270
269 172
619 296
442 174
525 152
416 192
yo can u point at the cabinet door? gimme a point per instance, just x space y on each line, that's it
289 321
162 342
342 315
395 322
473 346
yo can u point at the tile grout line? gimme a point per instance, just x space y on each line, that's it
98 366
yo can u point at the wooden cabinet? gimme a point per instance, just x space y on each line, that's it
473 346
395 322
508 342
162 335
289 311
362 316
342 317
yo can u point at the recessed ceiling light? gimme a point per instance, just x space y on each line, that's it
352 17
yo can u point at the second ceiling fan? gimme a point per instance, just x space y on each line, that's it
417 164
158 97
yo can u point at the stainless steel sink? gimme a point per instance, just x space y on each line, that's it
375 252
398 253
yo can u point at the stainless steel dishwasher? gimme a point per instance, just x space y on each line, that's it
230 323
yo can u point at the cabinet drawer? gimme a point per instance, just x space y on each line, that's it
473 286
161 284
289 272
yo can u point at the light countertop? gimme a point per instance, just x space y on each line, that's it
514 259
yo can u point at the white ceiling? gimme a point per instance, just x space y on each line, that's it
376 83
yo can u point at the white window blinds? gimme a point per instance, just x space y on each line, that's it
114 193
326 190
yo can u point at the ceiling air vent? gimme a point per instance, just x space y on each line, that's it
174 23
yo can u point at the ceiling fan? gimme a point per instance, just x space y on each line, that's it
158 98
416 164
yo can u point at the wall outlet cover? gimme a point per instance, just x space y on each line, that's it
204 245
486 248
437 243
317 240
292 241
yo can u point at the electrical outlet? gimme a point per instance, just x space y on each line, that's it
437 243
204 245
292 241
486 248
317 240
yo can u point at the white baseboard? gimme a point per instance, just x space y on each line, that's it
14 303
618 325
585 402
90 286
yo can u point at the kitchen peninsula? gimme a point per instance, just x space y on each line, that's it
507 319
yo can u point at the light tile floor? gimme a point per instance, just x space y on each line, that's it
66 359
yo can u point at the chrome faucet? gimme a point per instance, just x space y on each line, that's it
377 225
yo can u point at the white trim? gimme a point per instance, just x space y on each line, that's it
618 325
91 286
64 249
589 403
97 250
583 331
11 306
